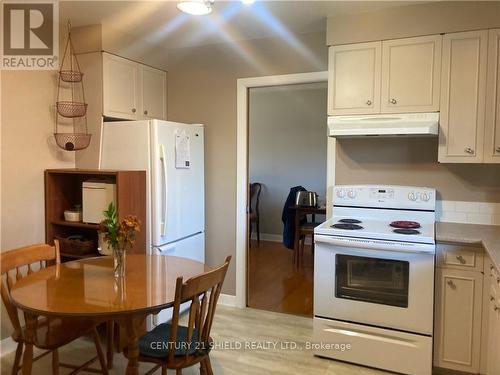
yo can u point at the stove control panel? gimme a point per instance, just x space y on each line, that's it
399 197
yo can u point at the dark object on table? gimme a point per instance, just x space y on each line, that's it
288 217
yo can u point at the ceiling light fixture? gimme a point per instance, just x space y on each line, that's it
195 7
248 2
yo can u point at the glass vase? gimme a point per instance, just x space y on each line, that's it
119 262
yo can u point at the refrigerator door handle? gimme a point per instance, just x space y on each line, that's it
164 191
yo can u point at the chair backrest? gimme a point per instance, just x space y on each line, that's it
16 264
203 291
255 189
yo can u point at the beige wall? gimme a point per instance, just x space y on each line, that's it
412 20
27 149
202 88
413 161
287 145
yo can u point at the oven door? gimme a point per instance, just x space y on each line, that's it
365 284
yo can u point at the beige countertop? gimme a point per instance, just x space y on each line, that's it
487 236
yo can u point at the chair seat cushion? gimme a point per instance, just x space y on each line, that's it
156 342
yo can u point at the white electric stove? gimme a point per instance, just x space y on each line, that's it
374 278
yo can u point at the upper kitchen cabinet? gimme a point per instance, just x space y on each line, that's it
411 70
492 127
154 93
132 91
463 95
354 79
121 87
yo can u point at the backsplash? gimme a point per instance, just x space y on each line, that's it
468 212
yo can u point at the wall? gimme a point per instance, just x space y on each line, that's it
413 161
287 145
202 88
411 20
27 149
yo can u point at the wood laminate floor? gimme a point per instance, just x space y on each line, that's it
233 327
275 284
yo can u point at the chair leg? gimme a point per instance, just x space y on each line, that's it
208 366
163 370
110 330
17 359
55 362
178 371
100 352
312 244
258 232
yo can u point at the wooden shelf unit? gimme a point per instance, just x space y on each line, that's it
63 190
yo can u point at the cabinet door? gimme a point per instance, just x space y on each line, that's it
354 79
492 128
154 93
493 317
121 94
463 91
411 71
457 329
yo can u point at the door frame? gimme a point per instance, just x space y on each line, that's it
243 85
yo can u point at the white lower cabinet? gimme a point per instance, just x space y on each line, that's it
493 321
458 308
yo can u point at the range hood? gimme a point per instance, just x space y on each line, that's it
384 125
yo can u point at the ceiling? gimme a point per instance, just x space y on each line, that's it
160 23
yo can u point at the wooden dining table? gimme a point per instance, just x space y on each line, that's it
88 289
300 211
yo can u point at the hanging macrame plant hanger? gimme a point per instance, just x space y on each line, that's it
71 108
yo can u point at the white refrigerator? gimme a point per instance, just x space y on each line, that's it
172 154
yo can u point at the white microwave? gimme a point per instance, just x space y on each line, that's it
96 197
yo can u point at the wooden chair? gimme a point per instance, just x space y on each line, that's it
172 346
253 215
51 333
306 229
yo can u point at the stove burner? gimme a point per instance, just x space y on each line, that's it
406 231
405 224
347 226
350 221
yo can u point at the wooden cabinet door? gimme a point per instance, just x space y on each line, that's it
492 128
457 328
411 72
121 94
154 93
493 316
463 92
354 79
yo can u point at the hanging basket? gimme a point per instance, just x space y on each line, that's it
71 75
72 141
71 109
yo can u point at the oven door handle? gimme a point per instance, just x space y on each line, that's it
369 244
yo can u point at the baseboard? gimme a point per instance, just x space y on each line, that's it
268 237
7 345
275 237
227 300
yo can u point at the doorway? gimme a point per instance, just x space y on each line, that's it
287 148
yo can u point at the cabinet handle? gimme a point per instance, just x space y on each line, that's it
496 308
492 298
461 259
146 112
498 149
393 101
451 284
368 102
134 110
469 150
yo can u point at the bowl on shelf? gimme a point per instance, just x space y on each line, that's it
73 215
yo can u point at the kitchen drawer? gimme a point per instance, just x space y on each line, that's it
460 257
